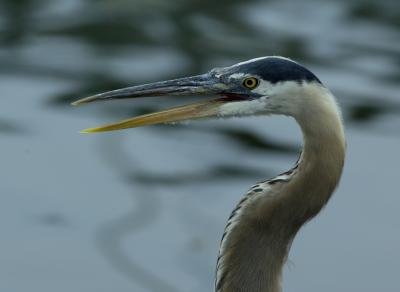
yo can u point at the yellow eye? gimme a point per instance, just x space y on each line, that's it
250 82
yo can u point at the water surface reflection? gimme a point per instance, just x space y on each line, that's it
143 210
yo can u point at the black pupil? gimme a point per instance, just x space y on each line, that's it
250 82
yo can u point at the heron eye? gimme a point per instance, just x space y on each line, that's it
250 82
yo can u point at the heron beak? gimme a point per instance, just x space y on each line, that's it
204 85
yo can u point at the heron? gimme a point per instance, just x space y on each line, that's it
261 228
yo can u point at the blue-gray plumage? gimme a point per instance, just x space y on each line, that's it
260 230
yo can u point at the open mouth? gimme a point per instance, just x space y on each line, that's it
204 85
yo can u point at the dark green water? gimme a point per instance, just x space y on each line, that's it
143 210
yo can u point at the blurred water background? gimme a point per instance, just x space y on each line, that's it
144 209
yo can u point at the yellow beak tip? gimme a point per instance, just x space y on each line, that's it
87 131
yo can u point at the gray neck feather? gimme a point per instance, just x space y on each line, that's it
255 249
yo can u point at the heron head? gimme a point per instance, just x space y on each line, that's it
266 85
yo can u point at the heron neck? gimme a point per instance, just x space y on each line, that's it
256 249
321 164
311 185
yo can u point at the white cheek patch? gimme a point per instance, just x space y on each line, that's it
265 88
243 108
247 107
